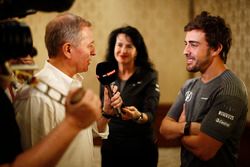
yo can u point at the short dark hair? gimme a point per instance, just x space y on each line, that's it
215 29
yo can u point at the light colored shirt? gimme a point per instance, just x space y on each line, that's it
37 114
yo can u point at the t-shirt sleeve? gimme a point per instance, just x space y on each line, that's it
177 108
225 116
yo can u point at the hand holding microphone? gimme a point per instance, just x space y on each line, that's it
106 74
112 104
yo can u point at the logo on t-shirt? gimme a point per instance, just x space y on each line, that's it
226 115
188 96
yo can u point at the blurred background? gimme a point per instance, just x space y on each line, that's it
161 23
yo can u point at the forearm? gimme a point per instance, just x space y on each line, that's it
191 140
102 124
48 152
171 129
192 144
201 145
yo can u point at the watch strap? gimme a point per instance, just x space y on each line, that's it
187 128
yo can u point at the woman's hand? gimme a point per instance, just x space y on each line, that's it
130 113
112 102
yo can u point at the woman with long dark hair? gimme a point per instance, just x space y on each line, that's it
131 140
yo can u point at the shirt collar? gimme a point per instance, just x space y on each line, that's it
63 77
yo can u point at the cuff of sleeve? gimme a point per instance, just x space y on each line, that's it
107 116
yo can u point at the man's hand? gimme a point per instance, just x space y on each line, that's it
194 127
182 117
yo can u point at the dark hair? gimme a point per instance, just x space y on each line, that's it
142 58
216 31
15 40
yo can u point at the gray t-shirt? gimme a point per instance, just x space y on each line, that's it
221 107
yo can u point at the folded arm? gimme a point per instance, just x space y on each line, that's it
197 142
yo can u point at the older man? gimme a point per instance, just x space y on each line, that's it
70 45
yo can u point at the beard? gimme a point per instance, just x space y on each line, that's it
193 70
199 65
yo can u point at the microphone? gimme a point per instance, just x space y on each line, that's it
106 73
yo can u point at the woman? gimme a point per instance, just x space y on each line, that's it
131 140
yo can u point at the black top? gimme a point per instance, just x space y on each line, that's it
142 91
221 107
10 145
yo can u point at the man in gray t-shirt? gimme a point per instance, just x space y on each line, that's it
209 114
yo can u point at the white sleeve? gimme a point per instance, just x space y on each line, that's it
103 135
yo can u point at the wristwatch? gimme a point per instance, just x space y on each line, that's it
140 118
187 128
107 116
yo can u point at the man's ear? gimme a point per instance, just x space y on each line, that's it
218 50
67 50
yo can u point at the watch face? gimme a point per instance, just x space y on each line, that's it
141 116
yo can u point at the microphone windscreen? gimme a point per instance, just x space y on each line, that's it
106 72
